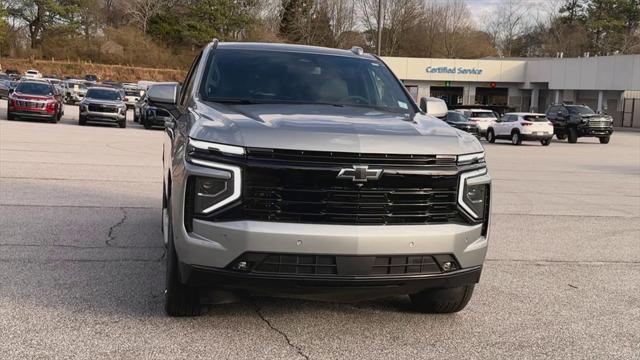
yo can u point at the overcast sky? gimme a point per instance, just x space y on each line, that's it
483 9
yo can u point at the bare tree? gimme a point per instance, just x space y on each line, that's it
510 21
140 11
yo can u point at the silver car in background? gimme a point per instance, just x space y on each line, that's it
74 91
105 105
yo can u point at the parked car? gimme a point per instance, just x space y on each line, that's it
13 74
483 118
139 109
4 76
5 88
521 126
131 95
55 82
307 171
105 105
91 78
33 99
461 122
74 91
574 121
32 74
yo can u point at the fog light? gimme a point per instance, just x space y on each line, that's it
241 266
447 266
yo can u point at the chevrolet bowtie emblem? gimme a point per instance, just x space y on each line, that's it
360 173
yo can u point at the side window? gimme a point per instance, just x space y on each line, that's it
188 84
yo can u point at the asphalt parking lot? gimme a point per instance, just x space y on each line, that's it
82 269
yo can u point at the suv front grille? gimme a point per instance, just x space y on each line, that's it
317 196
31 104
599 123
103 108
303 187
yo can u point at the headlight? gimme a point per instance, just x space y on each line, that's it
473 193
225 149
211 190
469 159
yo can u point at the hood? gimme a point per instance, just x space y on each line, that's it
102 102
24 96
595 116
327 127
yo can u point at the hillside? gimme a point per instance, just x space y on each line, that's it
105 72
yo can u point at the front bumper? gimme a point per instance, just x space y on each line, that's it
210 250
325 288
596 131
103 117
32 114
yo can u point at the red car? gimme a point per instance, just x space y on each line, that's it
35 100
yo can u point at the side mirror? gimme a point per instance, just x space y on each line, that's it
11 91
163 94
434 107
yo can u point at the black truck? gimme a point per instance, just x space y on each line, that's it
574 121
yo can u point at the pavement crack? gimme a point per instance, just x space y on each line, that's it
282 333
110 236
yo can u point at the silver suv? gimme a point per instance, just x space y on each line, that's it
104 105
311 172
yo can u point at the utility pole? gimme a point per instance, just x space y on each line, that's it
379 43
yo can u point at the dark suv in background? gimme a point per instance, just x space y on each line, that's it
574 121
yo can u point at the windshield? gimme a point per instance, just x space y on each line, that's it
482 115
103 94
580 110
132 93
453 116
535 118
301 78
33 88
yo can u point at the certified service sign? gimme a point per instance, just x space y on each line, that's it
453 70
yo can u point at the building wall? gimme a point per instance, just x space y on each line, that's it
595 73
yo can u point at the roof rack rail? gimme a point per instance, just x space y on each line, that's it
357 50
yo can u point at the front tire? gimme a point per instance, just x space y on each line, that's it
516 139
10 116
442 301
605 139
82 121
179 299
122 124
545 142
573 135
491 136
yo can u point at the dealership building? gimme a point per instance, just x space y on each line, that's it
609 84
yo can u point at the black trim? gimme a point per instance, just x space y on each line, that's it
335 288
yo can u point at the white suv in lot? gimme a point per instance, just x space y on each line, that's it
482 118
521 126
